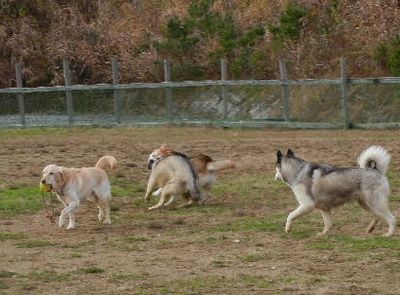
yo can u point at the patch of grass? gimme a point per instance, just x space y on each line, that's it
7 274
194 285
201 210
357 245
90 270
11 236
20 200
256 281
273 223
46 131
123 187
35 244
252 257
135 239
322 244
125 276
287 279
3 286
77 253
48 276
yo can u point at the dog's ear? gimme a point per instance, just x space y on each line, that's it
290 153
279 156
59 179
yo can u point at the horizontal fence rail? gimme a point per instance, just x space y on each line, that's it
183 84
221 102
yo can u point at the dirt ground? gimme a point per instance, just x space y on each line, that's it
235 244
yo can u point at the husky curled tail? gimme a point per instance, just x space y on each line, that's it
374 157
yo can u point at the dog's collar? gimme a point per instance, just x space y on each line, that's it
158 160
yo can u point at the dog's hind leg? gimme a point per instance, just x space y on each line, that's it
100 216
168 191
372 225
160 202
107 218
385 214
170 201
374 220
326 216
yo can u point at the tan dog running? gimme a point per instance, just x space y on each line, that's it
75 185
177 177
204 165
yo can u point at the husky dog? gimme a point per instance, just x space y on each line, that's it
204 165
324 186
175 175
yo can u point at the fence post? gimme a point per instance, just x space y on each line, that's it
224 77
68 93
21 99
117 100
168 91
285 90
344 98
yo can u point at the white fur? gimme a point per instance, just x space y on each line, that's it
377 154
305 201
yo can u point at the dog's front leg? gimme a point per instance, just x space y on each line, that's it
62 218
306 205
70 210
150 189
300 211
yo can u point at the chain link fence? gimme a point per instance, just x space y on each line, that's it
336 103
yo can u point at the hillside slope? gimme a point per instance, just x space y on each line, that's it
312 35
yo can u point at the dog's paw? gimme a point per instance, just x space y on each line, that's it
71 226
106 221
61 222
321 234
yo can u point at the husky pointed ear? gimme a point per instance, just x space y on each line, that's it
279 156
290 153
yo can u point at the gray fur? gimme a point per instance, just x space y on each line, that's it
324 187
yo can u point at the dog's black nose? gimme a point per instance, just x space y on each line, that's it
44 182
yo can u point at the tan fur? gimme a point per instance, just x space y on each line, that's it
175 176
107 163
73 186
204 165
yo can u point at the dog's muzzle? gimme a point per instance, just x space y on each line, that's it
278 175
150 164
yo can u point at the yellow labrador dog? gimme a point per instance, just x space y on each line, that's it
74 185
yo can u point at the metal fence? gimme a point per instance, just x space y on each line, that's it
306 103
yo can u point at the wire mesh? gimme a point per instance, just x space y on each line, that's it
240 104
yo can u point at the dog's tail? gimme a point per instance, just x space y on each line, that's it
107 163
374 157
220 165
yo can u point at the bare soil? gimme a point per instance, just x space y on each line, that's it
186 251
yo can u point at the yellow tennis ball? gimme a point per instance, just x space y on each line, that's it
44 187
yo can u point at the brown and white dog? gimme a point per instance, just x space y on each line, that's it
75 185
204 165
